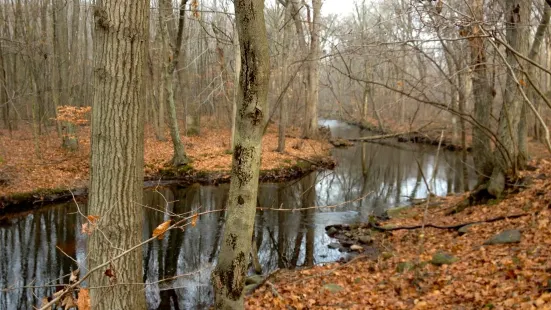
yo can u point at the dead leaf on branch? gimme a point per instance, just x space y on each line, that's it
68 302
194 219
92 218
160 230
83 302
74 276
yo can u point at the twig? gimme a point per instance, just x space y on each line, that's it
451 227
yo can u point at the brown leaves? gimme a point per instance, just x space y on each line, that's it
73 115
89 227
195 8
83 302
159 232
194 219
58 168
503 276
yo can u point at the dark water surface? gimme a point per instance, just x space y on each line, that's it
388 174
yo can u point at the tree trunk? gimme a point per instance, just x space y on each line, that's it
284 77
229 275
482 96
507 152
237 59
533 55
311 124
170 60
116 169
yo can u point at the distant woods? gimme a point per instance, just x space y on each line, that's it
476 68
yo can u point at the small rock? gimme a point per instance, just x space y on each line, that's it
347 242
365 239
443 258
332 231
333 288
504 237
334 245
356 247
404 266
348 234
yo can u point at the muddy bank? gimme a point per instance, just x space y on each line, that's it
25 201
429 137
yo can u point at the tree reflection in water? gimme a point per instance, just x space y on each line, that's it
390 174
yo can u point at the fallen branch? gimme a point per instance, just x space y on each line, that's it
380 137
450 227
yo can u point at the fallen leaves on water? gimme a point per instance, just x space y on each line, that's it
160 230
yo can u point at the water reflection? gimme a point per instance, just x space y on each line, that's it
177 268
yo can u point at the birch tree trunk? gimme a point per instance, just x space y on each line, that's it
229 275
116 170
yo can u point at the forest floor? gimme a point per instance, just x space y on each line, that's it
459 267
26 170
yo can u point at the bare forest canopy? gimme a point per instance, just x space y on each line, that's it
476 69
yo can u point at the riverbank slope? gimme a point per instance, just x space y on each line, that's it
44 172
501 262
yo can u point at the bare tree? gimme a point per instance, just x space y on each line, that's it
116 170
229 276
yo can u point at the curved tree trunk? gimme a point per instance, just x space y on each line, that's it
170 60
229 275
116 170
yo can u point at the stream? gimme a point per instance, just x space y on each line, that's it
385 175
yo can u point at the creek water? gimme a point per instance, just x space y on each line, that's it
32 262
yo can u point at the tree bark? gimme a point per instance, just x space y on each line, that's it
533 55
311 124
507 153
229 275
482 96
170 61
284 76
116 170
237 58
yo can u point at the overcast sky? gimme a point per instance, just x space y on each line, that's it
337 6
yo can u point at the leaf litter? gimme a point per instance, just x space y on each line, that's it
505 276
52 167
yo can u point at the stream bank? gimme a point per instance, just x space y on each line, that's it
289 225
491 256
26 201
429 136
